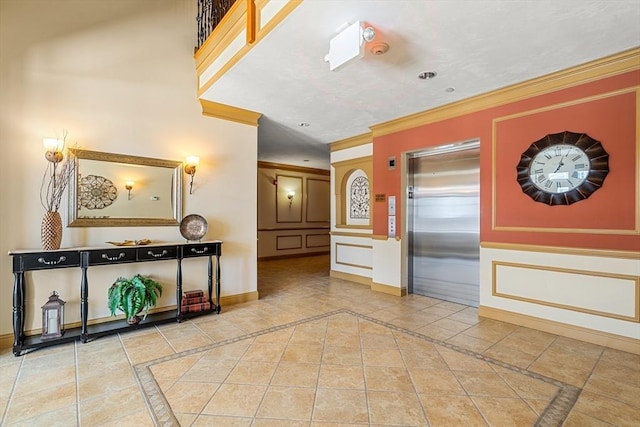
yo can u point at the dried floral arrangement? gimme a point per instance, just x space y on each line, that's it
57 176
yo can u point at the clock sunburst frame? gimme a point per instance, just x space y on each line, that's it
598 168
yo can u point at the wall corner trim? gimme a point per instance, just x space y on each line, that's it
617 342
363 280
6 341
388 289
239 298
228 112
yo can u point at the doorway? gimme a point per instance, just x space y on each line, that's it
443 224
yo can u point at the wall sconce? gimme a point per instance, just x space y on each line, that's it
290 195
53 317
129 186
190 165
53 149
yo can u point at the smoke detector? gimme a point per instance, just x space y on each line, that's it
379 48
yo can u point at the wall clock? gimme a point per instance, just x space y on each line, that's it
563 168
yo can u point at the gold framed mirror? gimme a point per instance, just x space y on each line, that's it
117 190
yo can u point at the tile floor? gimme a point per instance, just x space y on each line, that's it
316 351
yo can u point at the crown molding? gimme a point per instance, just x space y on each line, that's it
609 66
270 165
228 112
354 141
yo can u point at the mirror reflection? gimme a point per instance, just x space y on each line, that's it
120 190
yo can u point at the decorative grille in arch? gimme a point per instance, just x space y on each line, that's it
359 198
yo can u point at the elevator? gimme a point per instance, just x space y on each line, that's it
443 222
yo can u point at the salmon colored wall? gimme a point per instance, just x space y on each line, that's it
611 120
513 208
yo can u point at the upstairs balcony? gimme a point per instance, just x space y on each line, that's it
227 31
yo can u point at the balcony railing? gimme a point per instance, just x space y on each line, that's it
210 13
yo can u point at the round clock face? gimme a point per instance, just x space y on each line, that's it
559 168
563 168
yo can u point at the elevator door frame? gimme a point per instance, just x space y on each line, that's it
407 203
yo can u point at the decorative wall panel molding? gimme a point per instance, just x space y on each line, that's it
594 292
288 210
353 255
289 242
318 241
318 196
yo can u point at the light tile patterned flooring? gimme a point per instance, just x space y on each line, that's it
316 351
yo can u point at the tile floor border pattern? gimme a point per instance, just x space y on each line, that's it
553 415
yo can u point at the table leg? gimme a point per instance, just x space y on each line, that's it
179 290
84 305
210 282
218 283
18 312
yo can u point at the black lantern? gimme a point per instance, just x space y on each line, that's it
53 317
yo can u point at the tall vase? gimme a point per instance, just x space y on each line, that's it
51 230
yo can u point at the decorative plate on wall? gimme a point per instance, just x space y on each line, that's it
96 192
193 227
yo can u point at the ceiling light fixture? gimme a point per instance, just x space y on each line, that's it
303 125
450 89
427 75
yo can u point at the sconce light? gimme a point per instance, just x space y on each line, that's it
53 149
290 195
129 186
190 165
53 317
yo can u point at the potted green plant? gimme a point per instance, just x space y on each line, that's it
134 295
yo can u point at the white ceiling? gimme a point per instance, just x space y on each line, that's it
475 46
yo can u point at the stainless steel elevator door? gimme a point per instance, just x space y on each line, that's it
444 224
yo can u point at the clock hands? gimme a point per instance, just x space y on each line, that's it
561 162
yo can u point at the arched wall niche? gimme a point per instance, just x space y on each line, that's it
345 174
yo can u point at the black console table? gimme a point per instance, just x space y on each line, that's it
84 258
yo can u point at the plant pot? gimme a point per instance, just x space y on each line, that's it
134 320
51 230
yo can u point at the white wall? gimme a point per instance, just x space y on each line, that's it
589 291
120 77
351 248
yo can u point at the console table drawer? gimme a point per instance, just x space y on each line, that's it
112 256
157 252
200 249
47 260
